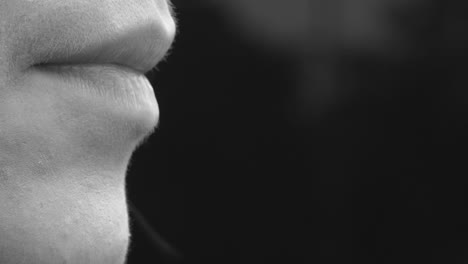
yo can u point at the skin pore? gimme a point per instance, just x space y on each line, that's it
63 156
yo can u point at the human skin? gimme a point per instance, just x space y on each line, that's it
64 153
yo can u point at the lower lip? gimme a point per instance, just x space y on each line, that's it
111 83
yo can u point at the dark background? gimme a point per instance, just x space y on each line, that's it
345 145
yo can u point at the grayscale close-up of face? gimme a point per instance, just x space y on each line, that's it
74 105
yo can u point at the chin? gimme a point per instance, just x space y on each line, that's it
63 222
62 173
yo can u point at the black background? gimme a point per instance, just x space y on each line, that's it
229 177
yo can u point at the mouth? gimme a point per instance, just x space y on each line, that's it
93 68
86 71
114 85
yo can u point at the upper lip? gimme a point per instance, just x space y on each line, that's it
139 47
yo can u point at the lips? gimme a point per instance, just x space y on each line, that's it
109 69
93 56
140 49
133 34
